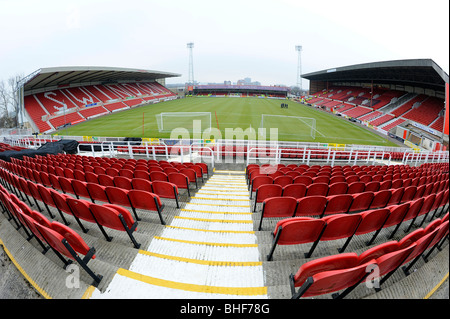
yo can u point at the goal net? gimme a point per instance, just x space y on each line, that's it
172 120
290 126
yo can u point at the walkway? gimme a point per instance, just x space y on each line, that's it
208 251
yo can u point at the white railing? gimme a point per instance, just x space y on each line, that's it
239 151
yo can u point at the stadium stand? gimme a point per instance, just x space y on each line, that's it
47 109
427 112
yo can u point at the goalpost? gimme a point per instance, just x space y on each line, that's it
172 120
290 125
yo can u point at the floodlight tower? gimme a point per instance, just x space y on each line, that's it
190 46
298 48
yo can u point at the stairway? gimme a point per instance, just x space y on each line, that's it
209 250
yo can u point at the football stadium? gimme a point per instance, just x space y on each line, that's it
123 188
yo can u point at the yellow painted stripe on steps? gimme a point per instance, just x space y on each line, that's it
242 291
206 243
204 262
215 212
221 205
213 231
238 200
215 220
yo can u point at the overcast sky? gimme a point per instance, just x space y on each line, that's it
232 39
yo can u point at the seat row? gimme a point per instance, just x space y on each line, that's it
67 244
293 230
371 169
94 187
294 178
318 205
153 173
86 162
344 272
382 192
134 199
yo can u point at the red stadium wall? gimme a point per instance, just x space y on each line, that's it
446 119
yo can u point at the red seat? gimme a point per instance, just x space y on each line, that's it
419 192
283 180
118 196
72 237
198 171
191 175
142 184
61 203
355 187
122 182
372 220
166 190
266 191
397 183
408 194
337 188
303 179
329 274
80 210
46 198
439 199
32 187
361 201
55 181
68 173
413 211
41 219
180 180
311 206
23 186
396 196
142 174
91 177
443 230
66 185
372 186
79 175
115 217
62 246
338 204
80 189
317 189
145 200
105 180
126 173
425 209
97 192
338 227
278 207
378 251
110 171
385 185
158 176
396 215
45 179
204 168
422 241
296 230
294 190
258 181
380 199
389 263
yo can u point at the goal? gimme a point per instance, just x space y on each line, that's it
172 120
290 126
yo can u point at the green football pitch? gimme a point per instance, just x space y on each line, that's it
232 113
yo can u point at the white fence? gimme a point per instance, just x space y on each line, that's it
241 151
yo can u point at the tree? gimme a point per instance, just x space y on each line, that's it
10 102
